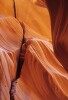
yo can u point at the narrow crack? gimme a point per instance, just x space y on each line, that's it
12 89
14 8
20 59
19 67
13 83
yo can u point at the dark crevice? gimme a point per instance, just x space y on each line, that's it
21 54
12 89
14 8
20 60
19 67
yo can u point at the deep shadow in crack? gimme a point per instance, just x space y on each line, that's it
20 60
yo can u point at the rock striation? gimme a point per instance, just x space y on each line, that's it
33 50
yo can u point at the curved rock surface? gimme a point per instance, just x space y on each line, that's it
10 41
42 75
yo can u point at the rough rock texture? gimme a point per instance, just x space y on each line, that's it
29 69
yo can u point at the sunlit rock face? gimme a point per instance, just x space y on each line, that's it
35 18
42 75
6 8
